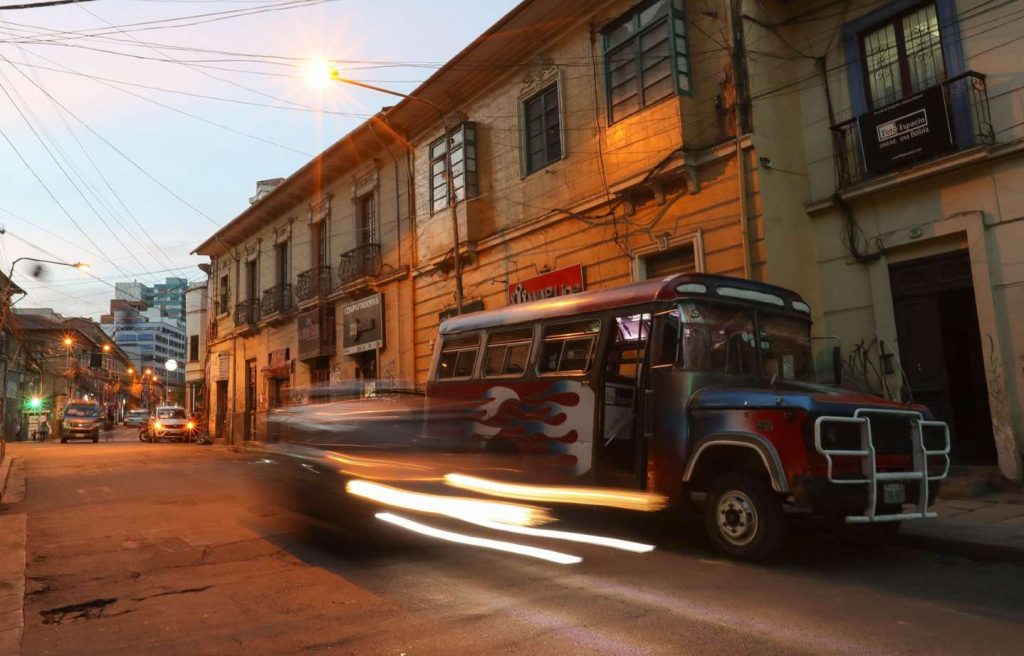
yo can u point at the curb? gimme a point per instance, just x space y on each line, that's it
5 468
13 535
966 548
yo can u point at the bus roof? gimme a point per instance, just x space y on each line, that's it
684 285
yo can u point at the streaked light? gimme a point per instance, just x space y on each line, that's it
569 536
486 543
458 507
589 496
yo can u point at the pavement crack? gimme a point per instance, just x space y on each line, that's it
167 593
86 610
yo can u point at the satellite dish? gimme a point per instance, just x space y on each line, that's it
171 365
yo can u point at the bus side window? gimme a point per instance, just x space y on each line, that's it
508 352
458 354
568 347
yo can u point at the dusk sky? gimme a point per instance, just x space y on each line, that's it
132 129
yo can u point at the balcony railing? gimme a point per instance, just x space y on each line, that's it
276 300
949 117
361 262
313 283
247 312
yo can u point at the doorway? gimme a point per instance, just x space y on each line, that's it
940 349
618 451
222 408
249 421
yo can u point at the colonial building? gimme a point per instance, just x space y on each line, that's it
864 154
894 131
196 322
307 283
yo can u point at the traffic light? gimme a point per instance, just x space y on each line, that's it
34 404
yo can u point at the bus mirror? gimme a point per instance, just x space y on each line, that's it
837 365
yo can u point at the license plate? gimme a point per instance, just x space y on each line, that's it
894 493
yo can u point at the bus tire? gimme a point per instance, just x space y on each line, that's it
743 517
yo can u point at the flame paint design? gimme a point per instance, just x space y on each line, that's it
561 416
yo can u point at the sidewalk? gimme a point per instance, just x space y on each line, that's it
13 534
990 526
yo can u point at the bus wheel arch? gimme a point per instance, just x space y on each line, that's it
743 515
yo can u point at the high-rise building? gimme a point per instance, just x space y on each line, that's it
168 296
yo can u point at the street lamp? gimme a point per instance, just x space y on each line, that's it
319 72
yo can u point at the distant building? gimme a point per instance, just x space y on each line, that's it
168 296
149 337
195 346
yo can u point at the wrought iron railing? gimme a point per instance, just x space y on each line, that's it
247 312
313 283
276 300
967 115
361 262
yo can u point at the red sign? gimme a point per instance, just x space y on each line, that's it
547 285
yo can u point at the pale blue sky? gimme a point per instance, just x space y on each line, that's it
56 55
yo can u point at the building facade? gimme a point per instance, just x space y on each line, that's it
150 339
307 285
196 320
573 147
895 128
168 296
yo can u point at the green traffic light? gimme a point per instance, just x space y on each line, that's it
35 403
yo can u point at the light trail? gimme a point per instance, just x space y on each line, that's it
457 507
486 543
569 536
589 496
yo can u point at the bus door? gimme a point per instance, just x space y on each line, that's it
619 448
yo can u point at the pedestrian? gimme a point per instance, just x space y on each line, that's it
44 429
17 430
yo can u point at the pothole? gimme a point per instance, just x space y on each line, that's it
87 610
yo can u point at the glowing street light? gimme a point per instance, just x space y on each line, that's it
68 342
106 348
319 73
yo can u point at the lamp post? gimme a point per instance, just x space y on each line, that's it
69 344
324 70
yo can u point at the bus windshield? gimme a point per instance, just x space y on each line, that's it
720 338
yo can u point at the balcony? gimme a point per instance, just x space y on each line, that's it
359 264
313 283
276 301
247 313
944 119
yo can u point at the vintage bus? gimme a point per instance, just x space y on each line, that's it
692 386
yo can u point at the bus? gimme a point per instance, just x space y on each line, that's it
697 387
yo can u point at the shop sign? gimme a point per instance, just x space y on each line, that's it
363 325
911 129
315 328
547 285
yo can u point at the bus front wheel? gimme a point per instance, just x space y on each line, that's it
743 518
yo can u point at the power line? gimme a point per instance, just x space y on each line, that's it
45 3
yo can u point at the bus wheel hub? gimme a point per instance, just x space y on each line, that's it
737 517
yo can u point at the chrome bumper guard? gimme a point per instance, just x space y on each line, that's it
869 469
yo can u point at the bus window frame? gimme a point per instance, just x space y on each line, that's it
441 353
531 351
592 354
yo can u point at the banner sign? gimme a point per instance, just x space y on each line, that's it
547 285
911 129
363 327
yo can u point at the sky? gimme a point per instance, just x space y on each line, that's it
130 130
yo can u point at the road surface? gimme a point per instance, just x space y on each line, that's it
170 549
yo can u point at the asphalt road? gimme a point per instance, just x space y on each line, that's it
171 549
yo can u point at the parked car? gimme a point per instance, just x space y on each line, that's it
168 422
82 421
138 417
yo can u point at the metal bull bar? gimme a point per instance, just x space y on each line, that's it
869 467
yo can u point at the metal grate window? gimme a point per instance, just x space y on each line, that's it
903 56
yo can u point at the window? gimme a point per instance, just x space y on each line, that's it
193 348
903 55
223 296
252 280
282 263
455 156
568 347
646 57
629 344
508 352
319 236
543 130
366 232
458 356
670 262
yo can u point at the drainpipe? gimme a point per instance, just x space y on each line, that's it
739 109
398 234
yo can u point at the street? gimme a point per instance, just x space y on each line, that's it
170 549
